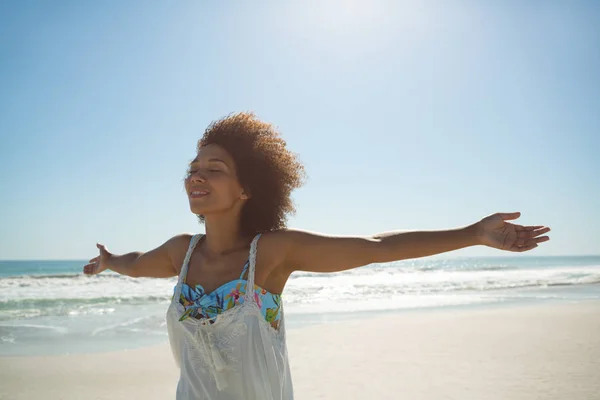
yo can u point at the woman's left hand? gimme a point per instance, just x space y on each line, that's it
495 232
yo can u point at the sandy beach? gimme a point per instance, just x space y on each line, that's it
549 351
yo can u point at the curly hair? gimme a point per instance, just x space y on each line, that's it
265 168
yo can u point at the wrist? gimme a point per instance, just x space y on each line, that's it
111 261
473 234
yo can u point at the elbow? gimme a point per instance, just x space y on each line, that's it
384 251
133 273
134 269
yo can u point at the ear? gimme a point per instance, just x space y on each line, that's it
245 195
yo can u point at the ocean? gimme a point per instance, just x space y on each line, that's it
51 307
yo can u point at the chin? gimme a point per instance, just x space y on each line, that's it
198 208
203 209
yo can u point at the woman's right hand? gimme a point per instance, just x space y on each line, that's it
99 263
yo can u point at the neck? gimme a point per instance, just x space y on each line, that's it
223 234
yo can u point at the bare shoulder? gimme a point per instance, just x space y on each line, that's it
286 239
275 246
285 235
177 247
271 260
275 242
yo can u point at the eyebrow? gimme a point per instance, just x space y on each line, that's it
195 160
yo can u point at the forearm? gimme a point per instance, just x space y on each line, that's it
393 246
124 264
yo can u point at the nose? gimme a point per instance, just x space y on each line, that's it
198 176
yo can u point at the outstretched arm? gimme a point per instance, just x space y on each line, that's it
307 251
156 263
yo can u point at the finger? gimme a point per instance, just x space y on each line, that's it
531 233
507 216
93 260
527 228
532 241
89 269
540 239
539 232
523 248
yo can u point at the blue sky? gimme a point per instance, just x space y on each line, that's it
407 115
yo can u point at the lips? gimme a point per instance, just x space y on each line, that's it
198 193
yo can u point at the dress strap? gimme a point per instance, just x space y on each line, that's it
184 267
244 269
250 280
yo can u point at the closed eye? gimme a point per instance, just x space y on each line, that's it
193 171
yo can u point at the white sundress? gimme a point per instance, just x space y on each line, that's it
239 356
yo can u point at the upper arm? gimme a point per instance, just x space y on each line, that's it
162 261
315 252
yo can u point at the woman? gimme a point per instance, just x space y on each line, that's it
229 341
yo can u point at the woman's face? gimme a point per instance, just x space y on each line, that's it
211 182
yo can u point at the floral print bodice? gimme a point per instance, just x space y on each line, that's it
201 305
